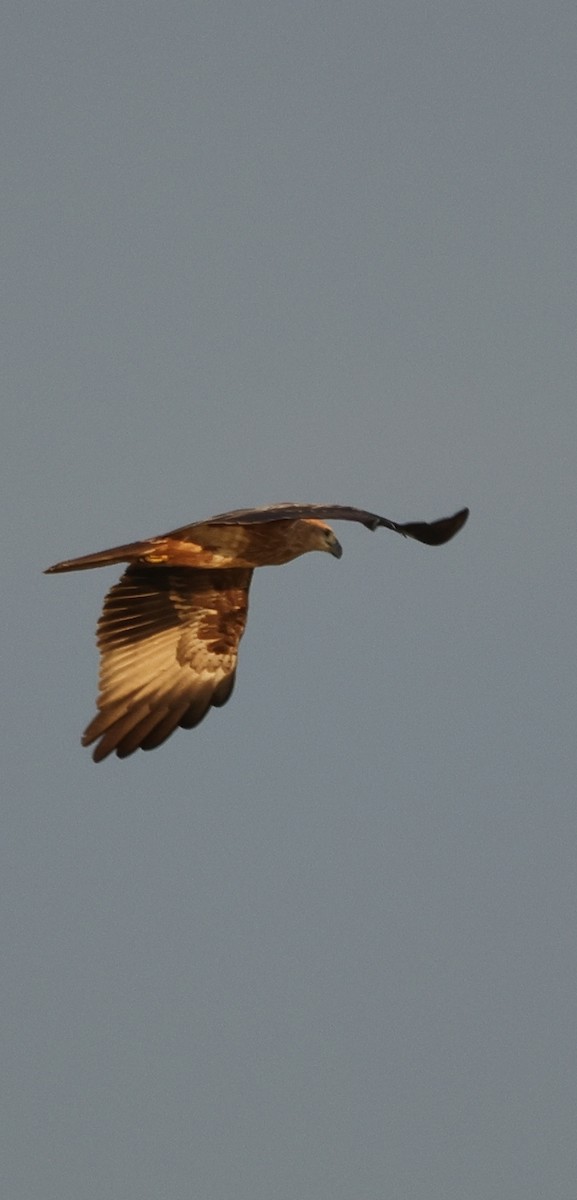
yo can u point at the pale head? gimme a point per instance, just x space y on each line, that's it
319 536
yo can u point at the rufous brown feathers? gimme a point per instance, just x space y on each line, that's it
170 628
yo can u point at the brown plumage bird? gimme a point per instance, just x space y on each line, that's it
170 629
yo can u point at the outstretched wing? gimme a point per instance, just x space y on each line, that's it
433 533
168 640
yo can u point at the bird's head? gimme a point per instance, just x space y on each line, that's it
322 537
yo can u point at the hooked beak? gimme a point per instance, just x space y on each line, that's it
336 549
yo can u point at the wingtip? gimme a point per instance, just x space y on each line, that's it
447 527
437 532
460 518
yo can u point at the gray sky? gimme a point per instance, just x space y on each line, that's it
323 947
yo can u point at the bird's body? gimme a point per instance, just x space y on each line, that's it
170 628
212 546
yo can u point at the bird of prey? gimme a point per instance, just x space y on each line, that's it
169 631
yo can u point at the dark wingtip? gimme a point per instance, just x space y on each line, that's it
437 532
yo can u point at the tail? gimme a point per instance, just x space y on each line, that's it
104 558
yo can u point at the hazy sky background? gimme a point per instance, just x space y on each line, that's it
324 946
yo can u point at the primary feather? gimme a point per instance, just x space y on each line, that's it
170 628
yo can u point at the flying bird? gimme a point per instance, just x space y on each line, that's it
169 631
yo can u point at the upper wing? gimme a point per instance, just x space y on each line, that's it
168 641
434 533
